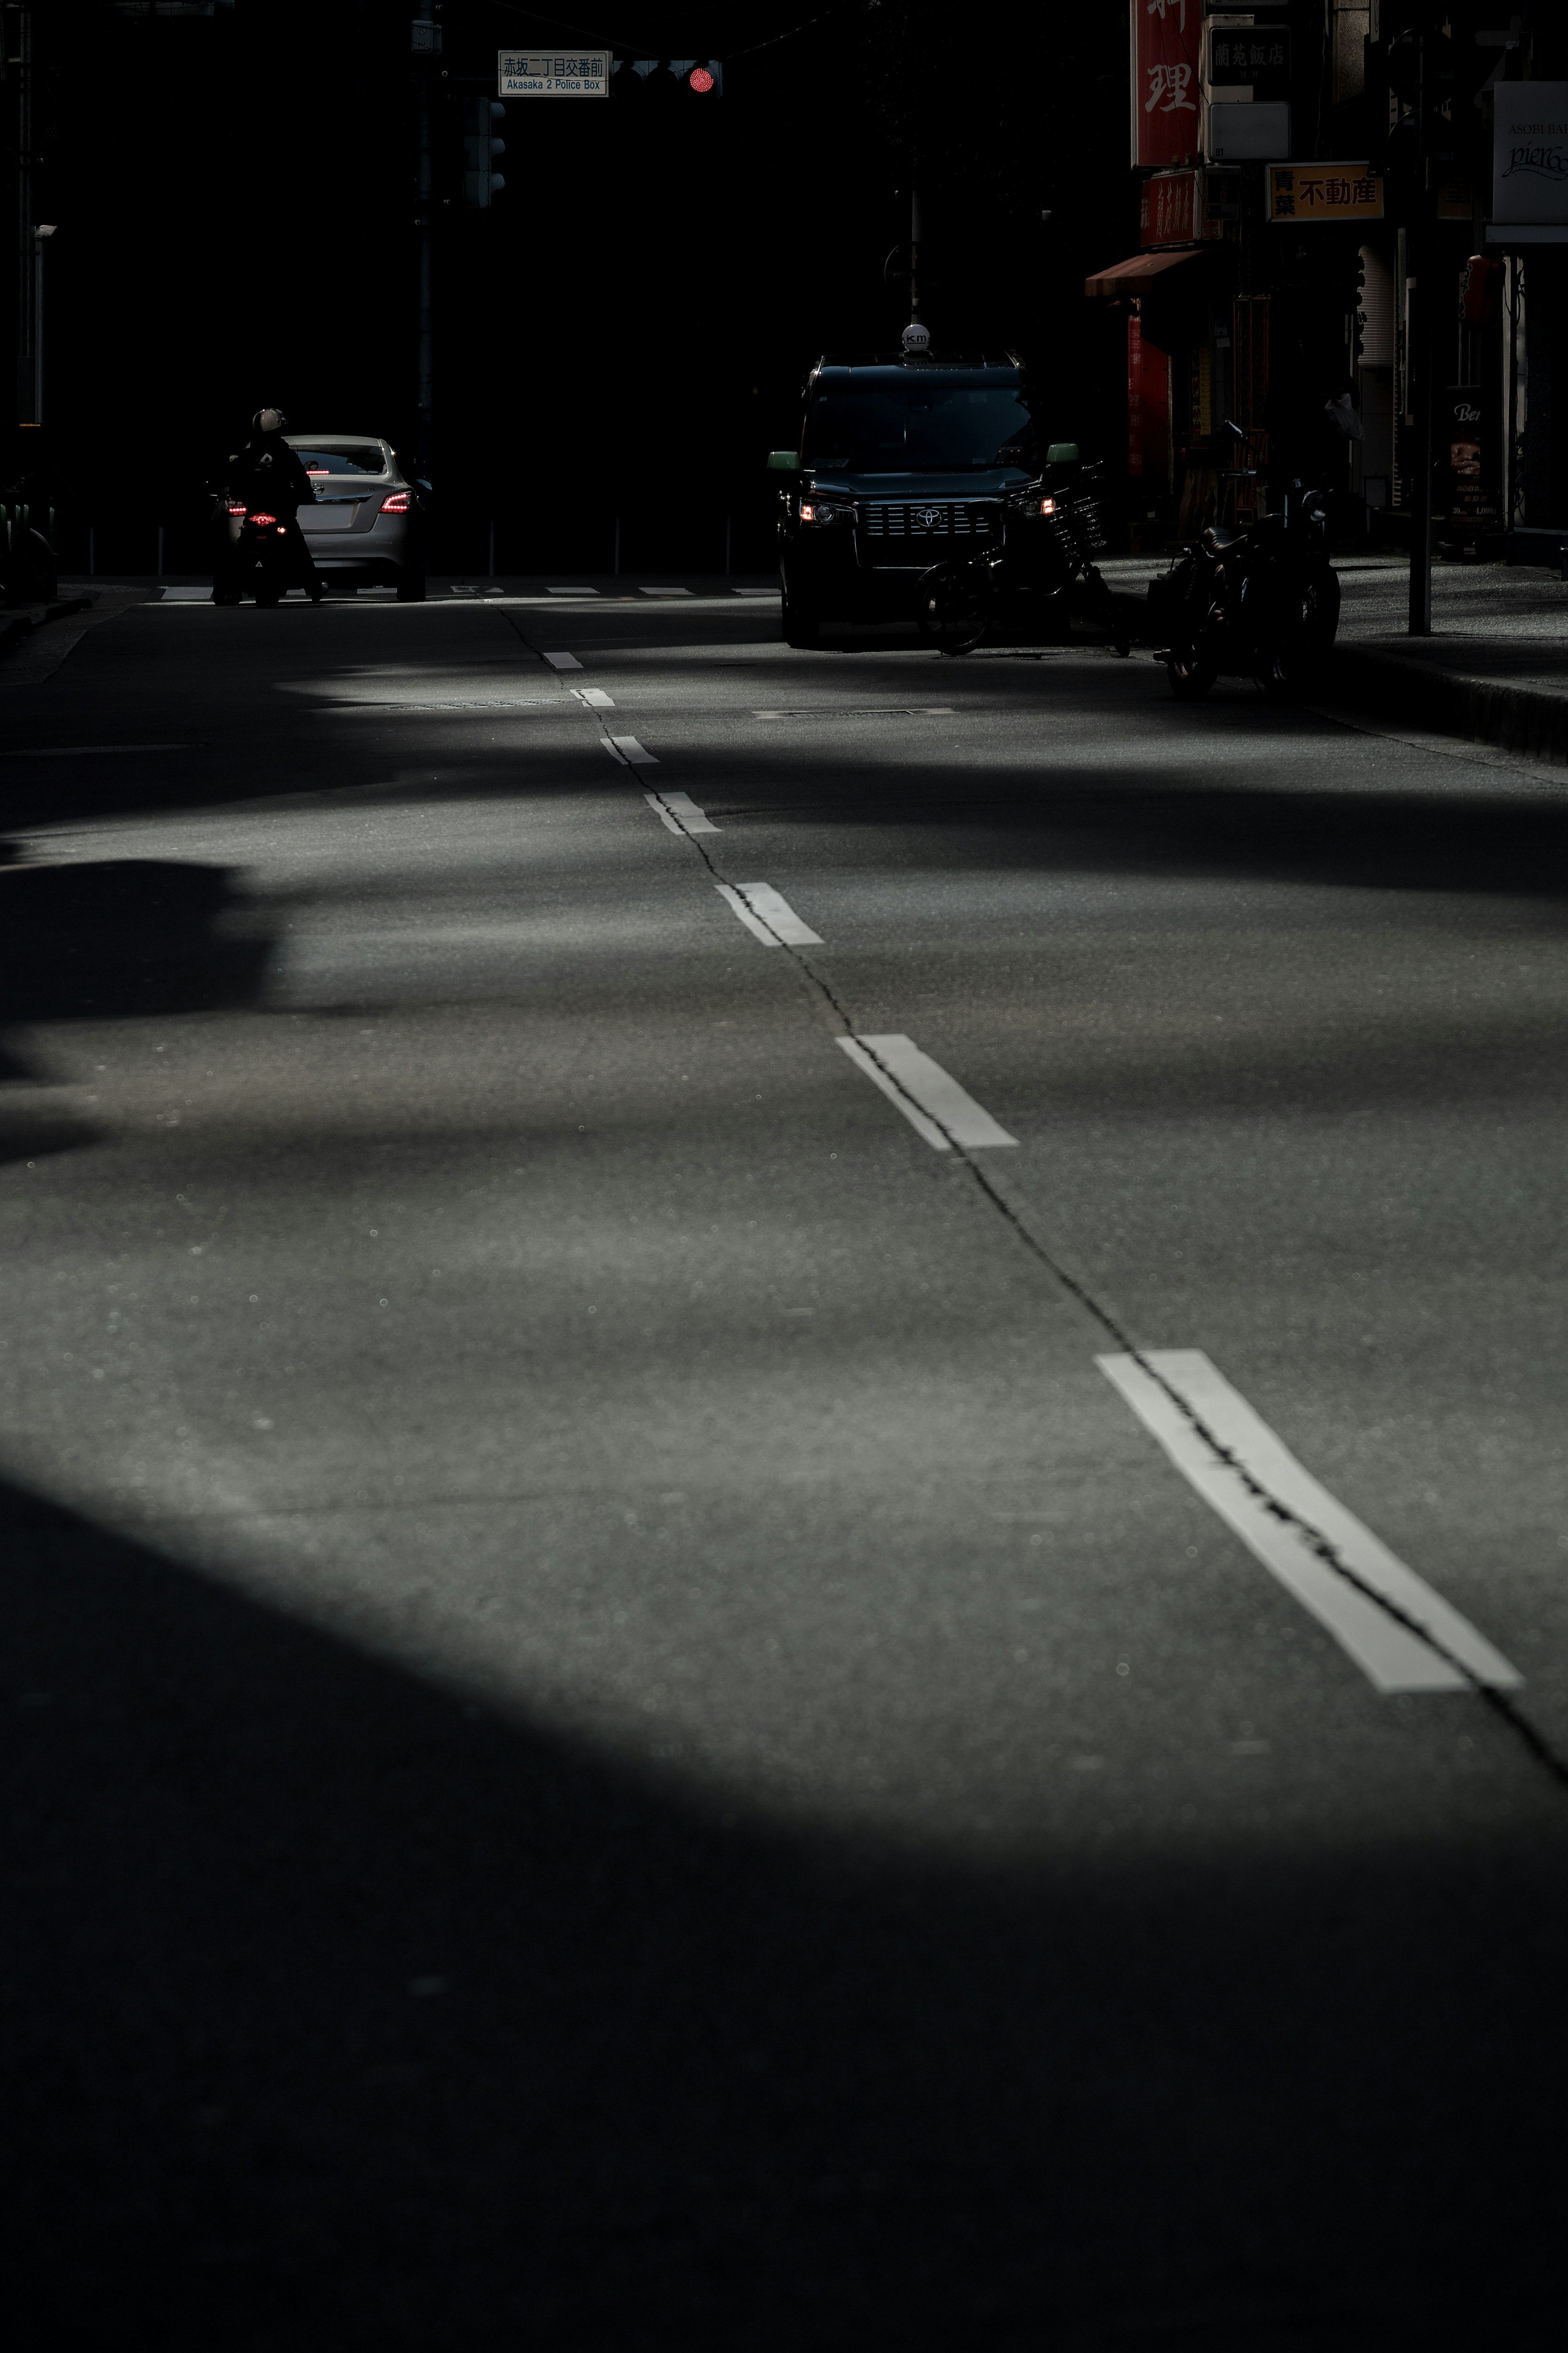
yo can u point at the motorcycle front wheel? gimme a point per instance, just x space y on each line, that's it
953 608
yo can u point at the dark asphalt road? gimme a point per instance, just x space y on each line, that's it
618 1735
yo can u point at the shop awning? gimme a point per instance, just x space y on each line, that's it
1130 277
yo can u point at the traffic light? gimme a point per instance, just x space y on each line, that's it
657 77
1423 86
480 148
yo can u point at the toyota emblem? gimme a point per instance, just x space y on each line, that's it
928 518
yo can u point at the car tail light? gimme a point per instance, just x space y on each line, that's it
235 510
261 518
397 504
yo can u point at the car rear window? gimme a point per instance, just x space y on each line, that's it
344 458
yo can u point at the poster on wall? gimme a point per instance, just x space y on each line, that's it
1166 125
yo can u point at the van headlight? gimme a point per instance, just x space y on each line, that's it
826 511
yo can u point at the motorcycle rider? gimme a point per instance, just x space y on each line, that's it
268 471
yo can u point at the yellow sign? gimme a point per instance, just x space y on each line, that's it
1324 191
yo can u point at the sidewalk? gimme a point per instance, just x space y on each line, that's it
1495 669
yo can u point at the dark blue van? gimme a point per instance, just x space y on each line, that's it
903 464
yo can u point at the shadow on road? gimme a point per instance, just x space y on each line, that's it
107 940
343 2014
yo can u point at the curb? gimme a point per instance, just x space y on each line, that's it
35 617
1513 718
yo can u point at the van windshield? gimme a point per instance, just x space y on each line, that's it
921 427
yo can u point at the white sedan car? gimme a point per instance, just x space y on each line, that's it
366 528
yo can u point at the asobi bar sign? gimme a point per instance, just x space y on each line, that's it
1165 86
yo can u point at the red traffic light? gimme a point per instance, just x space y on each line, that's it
701 79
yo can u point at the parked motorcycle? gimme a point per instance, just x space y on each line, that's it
30 573
1036 575
1262 602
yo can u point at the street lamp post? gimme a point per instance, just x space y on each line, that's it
44 229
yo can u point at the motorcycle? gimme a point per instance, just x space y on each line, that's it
266 559
29 574
1262 602
1037 576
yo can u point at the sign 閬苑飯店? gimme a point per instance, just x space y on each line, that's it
1529 153
585 74
1250 57
1324 191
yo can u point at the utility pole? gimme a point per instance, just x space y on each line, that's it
29 252
914 254
427 49
1419 361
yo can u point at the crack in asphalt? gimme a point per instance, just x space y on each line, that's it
1531 1739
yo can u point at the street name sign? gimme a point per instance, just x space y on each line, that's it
585 74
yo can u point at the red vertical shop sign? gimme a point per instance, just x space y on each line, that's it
1148 408
1165 123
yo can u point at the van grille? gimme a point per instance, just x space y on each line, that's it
934 519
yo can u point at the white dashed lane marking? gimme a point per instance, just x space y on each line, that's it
595 697
563 661
1394 1657
768 915
935 1105
627 749
679 812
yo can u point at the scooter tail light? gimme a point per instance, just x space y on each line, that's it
397 504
